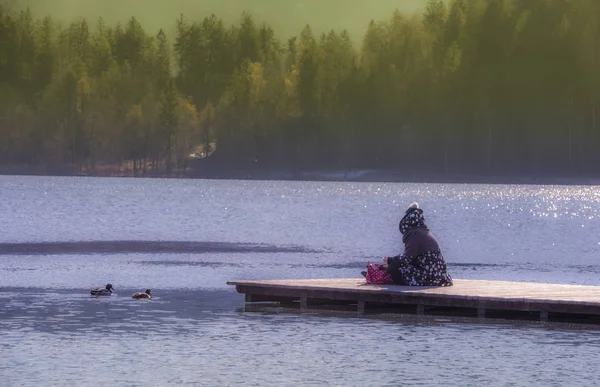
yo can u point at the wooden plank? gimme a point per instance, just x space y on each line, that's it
481 312
477 294
361 307
462 289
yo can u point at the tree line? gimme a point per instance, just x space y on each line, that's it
469 86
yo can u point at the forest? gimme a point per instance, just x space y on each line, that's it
286 17
468 86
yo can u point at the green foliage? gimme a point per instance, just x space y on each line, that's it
471 86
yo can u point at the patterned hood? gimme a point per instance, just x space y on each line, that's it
414 218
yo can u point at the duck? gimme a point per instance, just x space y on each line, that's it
106 291
139 295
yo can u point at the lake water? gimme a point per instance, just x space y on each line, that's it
195 330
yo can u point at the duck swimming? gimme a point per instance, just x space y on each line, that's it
139 295
107 291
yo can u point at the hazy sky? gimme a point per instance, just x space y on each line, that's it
287 17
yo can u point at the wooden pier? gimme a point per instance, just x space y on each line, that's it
473 298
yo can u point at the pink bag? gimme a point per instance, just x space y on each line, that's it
375 275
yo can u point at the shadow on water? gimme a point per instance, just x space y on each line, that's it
462 322
76 311
206 311
133 246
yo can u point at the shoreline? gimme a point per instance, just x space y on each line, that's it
332 175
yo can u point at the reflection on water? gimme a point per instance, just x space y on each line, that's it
76 312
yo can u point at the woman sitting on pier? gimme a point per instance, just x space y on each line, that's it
422 263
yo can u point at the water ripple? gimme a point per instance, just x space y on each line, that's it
185 238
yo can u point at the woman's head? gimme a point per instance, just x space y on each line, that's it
413 218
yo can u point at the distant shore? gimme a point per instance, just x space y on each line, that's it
394 176
350 175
